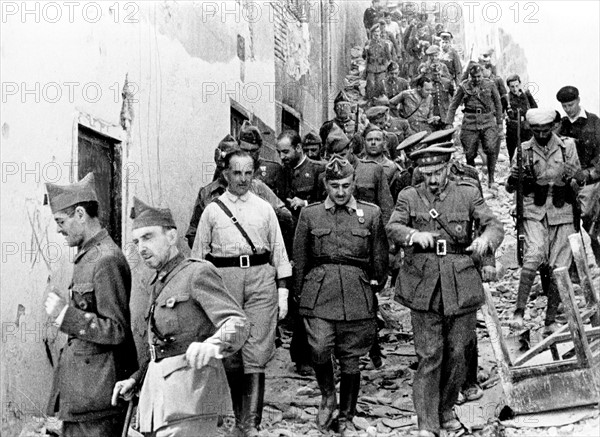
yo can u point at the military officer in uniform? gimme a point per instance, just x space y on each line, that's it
482 119
100 347
219 185
550 163
394 83
443 90
433 52
344 117
238 232
378 55
379 116
304 188
439 281
374 151
193 322
311 144
340 255
270 172
371 183
416 105
584 127
450 57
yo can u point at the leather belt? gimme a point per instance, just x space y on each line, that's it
475 111
320 260
243 261
166 350
442 248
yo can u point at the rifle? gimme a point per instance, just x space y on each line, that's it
356 119
520 195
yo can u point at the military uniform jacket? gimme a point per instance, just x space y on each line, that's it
484 97
326 127
378 55
524 102
337 252
395 85
547 164
442 93
304 183
451 60
100 349
459 205
271 173
191 304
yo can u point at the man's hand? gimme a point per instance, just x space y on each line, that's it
296 203
123 389
425 239
479 246
575 172
433 119
488 273
198 354
54 304
283 302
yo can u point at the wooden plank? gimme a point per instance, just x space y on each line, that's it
587 285
565 288
554 391
524 372
590 334
540 347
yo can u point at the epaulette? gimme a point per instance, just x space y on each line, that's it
466 183
365 203
198 260
313 204
267 160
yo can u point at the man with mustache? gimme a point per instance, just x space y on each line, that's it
193 322
439 281
100 347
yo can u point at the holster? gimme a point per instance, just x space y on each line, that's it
540 193
559 195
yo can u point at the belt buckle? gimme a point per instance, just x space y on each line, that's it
244 261
478 110
440 247
152 352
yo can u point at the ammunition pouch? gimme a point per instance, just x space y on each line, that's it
540 194
529 185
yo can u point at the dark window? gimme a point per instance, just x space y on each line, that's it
101 154
237 119
289 121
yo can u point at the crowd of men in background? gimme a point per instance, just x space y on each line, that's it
312 241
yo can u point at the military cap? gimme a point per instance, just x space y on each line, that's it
432 158
375 26
433 50
144 215
311 138
250 134
338 167
336 140
228 143
540 116
341 97
63 196
567 94
412 140
474 69
441 138
370 128
376 112
445 34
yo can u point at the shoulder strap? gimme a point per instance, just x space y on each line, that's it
236 223
435 215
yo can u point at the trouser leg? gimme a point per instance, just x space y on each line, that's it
469 140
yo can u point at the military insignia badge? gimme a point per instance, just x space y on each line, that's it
458 228
170 302
361 215
307 175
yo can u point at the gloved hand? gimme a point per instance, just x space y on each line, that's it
283 302
198 354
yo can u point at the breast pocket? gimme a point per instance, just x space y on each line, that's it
458 225
83 297
170 315
359 239
319 236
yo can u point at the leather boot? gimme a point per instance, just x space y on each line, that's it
326 380
349 387
253 398
236 380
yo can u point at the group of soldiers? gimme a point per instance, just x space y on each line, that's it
312 241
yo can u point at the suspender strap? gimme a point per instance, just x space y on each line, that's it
236 223
436 216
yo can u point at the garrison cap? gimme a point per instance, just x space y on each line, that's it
336 140
250 134
338 167
311 138
412 140
432 158
375 26
226 146
567 94
433 50
63 196
341 97
376 112
475 68
441 138
370 128
144 215
540 116
445 34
